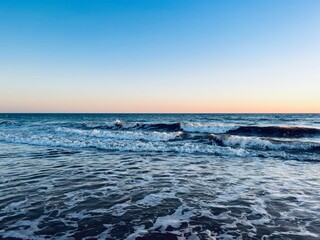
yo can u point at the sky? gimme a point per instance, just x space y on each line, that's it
208 56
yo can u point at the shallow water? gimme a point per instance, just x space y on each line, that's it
96 177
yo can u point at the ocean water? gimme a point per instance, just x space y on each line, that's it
160 176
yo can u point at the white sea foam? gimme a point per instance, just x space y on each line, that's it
263 143
79 215
119 145
155 199
151 200
153 141
85 194
17 206
120 209
207 128
26 229
9 122
105 234
139 232
182 214
126 135
118 122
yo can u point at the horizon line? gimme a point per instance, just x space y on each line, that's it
159 113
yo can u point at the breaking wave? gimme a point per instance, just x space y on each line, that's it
119 144
220 138
206 128
170 127
275 131
140 176
122 135
263 143
7 122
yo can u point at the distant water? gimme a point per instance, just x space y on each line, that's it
160 176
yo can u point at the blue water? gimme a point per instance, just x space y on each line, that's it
160 176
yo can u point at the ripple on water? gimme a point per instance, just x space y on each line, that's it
155 196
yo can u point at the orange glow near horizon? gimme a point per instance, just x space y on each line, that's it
151 106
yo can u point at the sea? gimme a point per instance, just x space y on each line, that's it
160 176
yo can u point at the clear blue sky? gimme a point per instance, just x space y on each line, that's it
160 56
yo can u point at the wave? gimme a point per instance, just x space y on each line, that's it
193 128
125 135
115 125
169 127
206 128
264 131
122 141
256 143
161 127
222 140
7 122
164 136
119 125
119 144
275 131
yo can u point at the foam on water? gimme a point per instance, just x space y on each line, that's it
276 131
182 214
9 122
264 143
119 142
158 177
207 128
125 135
132 196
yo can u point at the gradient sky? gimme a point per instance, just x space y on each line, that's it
160 56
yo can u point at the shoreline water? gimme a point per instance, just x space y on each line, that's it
143 186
